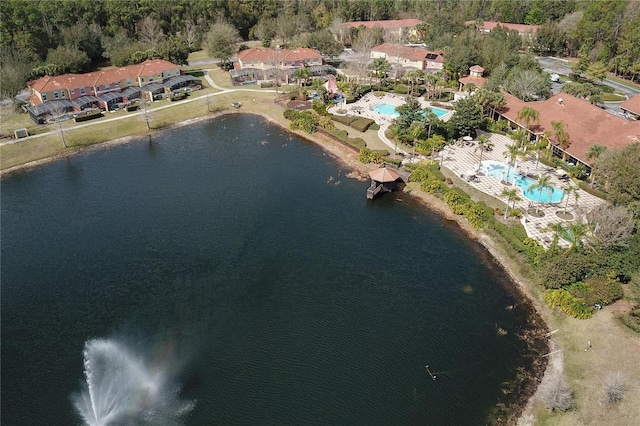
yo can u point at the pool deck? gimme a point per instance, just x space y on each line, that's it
465 158
461 159
363 106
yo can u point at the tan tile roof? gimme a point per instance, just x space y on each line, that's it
586 124
632 104
521 28
281 55
388 24
412 53
476 68
72 81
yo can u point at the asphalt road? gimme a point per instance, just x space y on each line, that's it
561 66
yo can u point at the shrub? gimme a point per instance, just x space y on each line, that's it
266 84
319 107
595 192
95 113
431 185
557 395
293 94
632 320
342 119
615 387
567 303
374 126
290 114
601 290
368 156
361 123
401 89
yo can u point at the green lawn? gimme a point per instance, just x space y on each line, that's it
613 97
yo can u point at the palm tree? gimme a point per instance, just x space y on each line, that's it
431 80
562 137
416 130
593 153
512 195
484 144
540 185
429 117
302 74
574 233
512 152
528 115
567 192
520 136
381 66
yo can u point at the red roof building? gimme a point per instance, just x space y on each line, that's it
393 27
73 86
412 57
475 77
631 107
487 26
284 58
586 124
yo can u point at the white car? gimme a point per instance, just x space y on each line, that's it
555 78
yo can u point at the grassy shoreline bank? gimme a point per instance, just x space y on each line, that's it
610 341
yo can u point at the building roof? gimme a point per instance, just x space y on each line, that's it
476 68
478 81
520 28
388 24
586 124
280 55
632 105
97 78
412 53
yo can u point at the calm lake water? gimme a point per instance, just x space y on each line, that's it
237 270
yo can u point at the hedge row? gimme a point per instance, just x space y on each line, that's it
595 192
341 135
90 116
358 123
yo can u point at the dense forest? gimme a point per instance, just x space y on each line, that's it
39 37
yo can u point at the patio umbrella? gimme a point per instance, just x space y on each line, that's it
384 175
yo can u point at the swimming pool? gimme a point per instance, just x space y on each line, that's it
499 170
390 110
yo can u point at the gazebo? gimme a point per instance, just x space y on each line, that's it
382 180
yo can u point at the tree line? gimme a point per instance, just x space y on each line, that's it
40 37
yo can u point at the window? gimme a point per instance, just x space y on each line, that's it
55 95
44 97
82 91
73 91
128 82
107 87
151 79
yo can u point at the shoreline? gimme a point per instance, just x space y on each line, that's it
521 407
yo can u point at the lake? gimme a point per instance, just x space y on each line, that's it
230 273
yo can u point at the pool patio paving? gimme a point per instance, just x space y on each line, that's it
463 158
